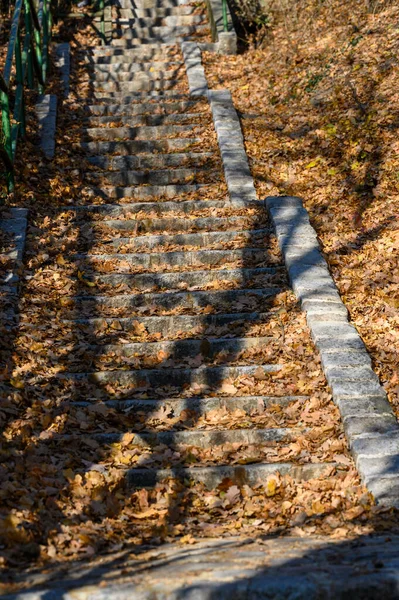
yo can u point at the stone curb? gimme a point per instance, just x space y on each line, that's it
231 143
197 82
15 223
46 111
370 425
63 63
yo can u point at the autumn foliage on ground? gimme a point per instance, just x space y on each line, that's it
318 103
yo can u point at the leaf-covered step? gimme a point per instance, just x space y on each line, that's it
159 208
178 351
251 475
241 300
140 133
218 279
140 84
197 405
167 261
135 67
211 239
120 79
149 120
127 13
162 379
146 108
151 177
175 224
129 147
170 327
204 438
151 192
160 22
103 97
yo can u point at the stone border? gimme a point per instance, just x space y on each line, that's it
197 82
370 425
46 111
63 63
14 221
226 40
231 143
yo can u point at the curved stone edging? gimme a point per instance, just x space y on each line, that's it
370 425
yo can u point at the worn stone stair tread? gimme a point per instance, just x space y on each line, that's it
175 280
175 258
140 133
174 324
127 147
127 178
212 477
142 32
116 210
145 120
190 300
170 376
200 240
149 22
200 405
141 108
176 159
122 78
207 347
204 438
138 84
125 67
154 12
126 98
149 192
181 224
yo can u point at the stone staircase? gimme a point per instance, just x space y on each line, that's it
173 307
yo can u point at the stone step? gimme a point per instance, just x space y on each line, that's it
149 192
241 300
180 225
165 38
162 75
199 405
154 161
149 23
142 13
161 261
177 350
195 279
140 379
250 474
139 84
170 326
150 4
143 108
145 34
204 438
149 177
136 67
160 208
139 133
197 240
102 55
129 147
103 97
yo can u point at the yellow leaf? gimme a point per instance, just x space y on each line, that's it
245 87
312 164
17 383
271 487
61 260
